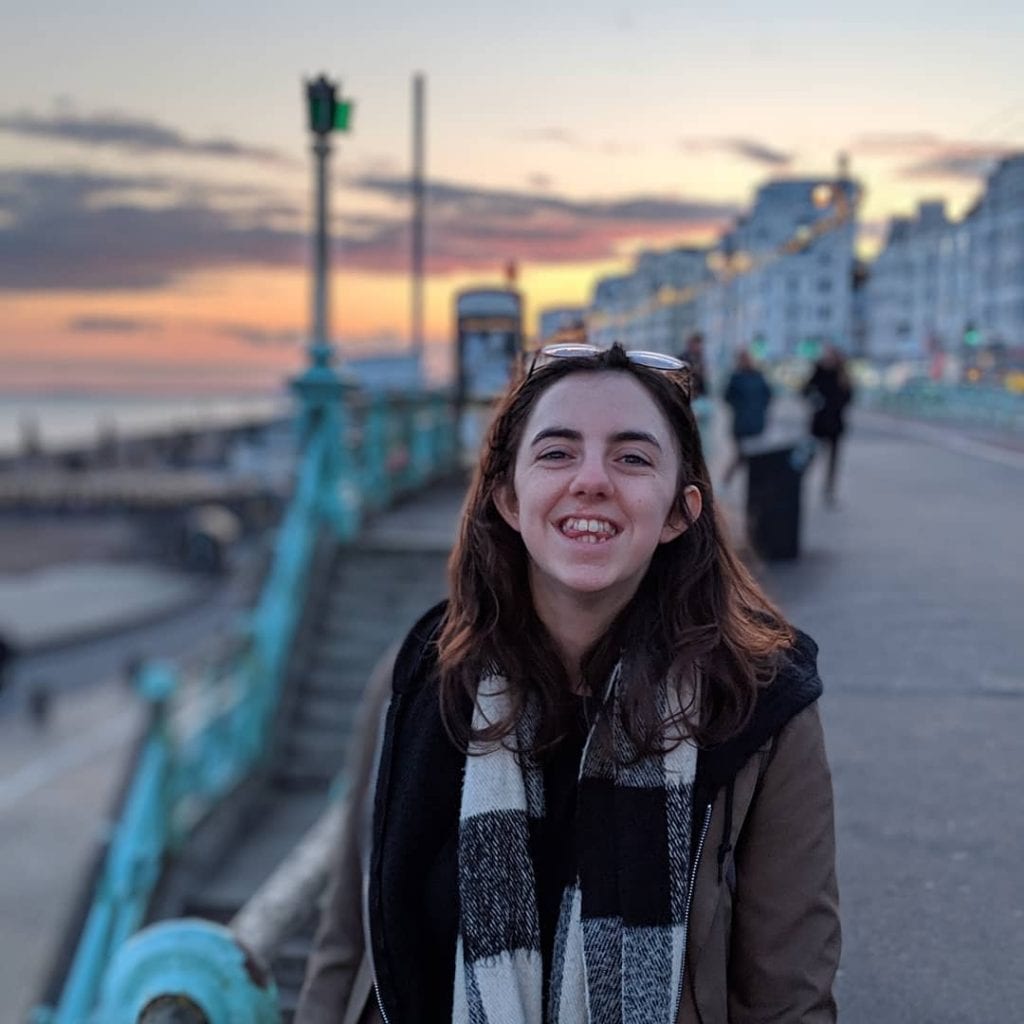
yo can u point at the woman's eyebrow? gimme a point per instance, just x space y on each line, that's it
563 432
568 434
635 435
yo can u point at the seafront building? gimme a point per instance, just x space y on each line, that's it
944 286
784 280
561 323
656 307
780 280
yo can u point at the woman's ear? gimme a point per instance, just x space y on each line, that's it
507 506
676 525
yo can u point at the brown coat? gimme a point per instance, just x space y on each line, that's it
763 945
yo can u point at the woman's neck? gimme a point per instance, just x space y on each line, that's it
574 625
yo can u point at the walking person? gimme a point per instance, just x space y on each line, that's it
600 792
693 356
748 395
830 391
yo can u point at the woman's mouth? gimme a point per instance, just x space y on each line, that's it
588 530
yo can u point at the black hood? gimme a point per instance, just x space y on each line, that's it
796 686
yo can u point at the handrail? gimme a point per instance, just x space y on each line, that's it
960 405
181 772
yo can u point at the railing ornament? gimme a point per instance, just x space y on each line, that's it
187 971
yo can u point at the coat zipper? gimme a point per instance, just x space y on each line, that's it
689 900
376 992
385 768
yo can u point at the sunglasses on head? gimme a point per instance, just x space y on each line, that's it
582 350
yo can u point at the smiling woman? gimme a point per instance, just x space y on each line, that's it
601 791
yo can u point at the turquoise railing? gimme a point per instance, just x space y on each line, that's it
202 740
973 406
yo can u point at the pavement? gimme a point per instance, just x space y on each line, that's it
64 604
912 588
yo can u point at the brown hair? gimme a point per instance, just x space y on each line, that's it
698 613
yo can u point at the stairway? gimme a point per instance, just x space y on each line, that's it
368 600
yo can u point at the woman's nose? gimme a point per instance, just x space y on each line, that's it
592 477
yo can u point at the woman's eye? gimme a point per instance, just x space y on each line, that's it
554 455
634 459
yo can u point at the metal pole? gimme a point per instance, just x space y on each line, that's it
320 347
418 89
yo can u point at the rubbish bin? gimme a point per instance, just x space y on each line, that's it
774 473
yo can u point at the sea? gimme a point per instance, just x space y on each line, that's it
73 420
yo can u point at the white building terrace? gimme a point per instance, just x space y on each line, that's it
943 286
779 279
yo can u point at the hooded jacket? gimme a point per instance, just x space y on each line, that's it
763 943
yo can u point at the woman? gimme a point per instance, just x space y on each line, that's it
601 792
830 392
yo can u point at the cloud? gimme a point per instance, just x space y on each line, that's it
112 325
747 149
561 136
261 337
958 161
76 230
932 156
472 228
564 137
895 143
134 135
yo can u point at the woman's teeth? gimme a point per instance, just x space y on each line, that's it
593 530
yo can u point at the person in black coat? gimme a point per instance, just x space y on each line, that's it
830 392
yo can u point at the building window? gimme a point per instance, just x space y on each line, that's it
824 284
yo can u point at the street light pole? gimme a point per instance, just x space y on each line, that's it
321 255
320 389
322 98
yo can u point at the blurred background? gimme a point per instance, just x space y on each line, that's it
253 321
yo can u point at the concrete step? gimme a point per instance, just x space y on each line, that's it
338 648
323 712
325 680
285 817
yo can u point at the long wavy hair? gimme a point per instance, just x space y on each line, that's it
698 620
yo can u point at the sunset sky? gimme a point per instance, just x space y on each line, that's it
155 172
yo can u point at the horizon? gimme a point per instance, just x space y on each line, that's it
161 236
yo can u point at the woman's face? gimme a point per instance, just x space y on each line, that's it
594 485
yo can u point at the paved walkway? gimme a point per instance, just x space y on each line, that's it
912 588
61 604
56 790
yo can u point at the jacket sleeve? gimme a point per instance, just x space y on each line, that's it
785 929
338 947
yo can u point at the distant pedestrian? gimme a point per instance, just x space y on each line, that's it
830 391
6 658
693 353
748 395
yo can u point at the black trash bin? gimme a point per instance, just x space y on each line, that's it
774 474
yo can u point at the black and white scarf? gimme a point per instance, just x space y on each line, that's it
620 941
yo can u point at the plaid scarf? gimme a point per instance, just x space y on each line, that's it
621 935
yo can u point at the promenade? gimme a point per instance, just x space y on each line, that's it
911 587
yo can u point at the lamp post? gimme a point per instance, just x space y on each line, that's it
327 113
320 388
